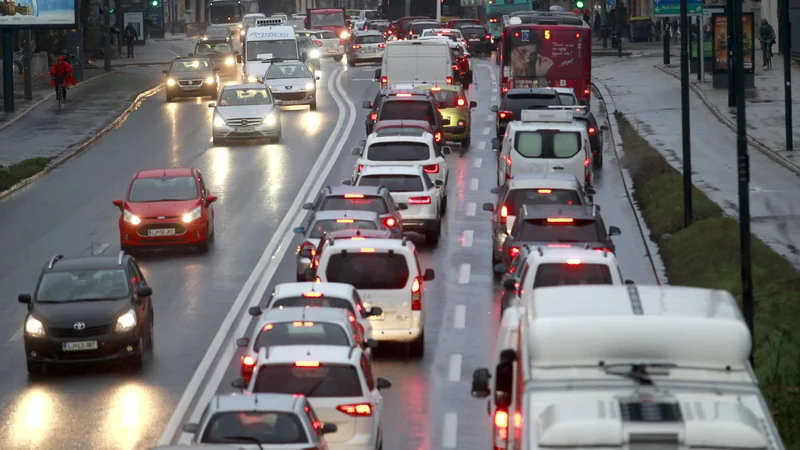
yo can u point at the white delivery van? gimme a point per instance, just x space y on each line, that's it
412 63
266 42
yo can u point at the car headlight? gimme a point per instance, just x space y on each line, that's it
219 121
34 328
129 217
241 33
310 86
210 80
252 79
126 322
271 120
240 25
170 82
313 54
229 61
344 35
190 216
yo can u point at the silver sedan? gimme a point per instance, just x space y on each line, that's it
292 83
246 111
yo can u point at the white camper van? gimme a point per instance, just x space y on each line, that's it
267 41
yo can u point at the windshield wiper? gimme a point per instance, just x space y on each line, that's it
640 373
245 439
316 386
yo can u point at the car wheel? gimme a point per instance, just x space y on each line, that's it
337 58
466 143
432 237
416 349
169 98
313 106
35 368
151 333
278 137
138 359
597 162
444 205
351 62
217 141
203 247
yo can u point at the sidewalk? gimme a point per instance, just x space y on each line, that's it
156 52
765 107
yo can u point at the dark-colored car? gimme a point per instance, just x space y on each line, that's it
418 26
464 67
221 53
406 105
479 41
515 100
377 199
595 134
402 24
191 77
559 225
88 309
459 23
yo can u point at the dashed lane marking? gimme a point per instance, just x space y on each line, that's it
17 336
471 207
473 185
490 117
449 433
460 317
487 130
99 250
463 274
454 374
478 162
466 240
482 145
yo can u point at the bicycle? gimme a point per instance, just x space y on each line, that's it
61 91
766 47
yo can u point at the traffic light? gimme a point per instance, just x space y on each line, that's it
579 4
155 3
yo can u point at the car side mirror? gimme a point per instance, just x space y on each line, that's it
510 285
495 144
329 428
242 342
614 231
118 204
144 291
347 182
495 190
603 128
473 105
239 383
366 104
308 206
488 207
356 151
212 105
191 55
429 275
165 72
299 230
239 58
309 273
438 183
480 383
500 268
494 109
446 150
254 311
383 383
401 206
371 343
191 428
211 199
590 191
375 311
303 57
362 142
26 299
305 253
629 282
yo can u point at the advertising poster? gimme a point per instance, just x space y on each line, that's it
720 49
137 19
545 58
38 13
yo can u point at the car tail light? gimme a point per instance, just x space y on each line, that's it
373 117
505 114
367 250
503 214
492 20
345 221
419 200
455 67
545 191
356 47
306 363
592 130
360 166
437 136
312 294
404 94
361 409
501 419
433 168
317 280
487 37
416 295
248 364
449 80
604 249
381 45
560 220
308 246
587 91
353 195
513 251
436 89
461 102
317 42
384 80
573 262
302 324
389 222
389 32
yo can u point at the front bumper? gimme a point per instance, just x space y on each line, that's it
296 98
243 133
339 51
109 347
192 233
205 90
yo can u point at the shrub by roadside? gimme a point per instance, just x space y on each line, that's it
9 176
706 254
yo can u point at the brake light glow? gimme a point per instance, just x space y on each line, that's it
577 35
361 409
449 80
488 36
345 221
381 45
389 31
586 162
384 80
367 250
248 364
419 200
357 238
351 317
360 166
461 102
302 324
503 214
573 262
356 47
437 136
501 419
560 220
492 20
587 91
436 89
545 191
353 195
389 222
505 114
308 246
505 89
404 95
513 251
248 361
416 295
559 245
373 117
592 130
312 294
433 168
267 327
306 363
455 67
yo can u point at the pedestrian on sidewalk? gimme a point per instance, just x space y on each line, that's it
598 22
767 35
130 35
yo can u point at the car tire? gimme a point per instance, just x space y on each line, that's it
432 237
203 247
217 141
338 58
351 62
137 361
313 106
35 369
278 137
465 143
444 205
170 98
597 162
151 332
416 349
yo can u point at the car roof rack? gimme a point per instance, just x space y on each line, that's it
53 261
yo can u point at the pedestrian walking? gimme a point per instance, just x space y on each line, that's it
767 38
598 22
130 35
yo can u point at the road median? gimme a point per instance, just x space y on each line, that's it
706 254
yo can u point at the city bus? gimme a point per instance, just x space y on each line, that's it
494 10
226 12
547 50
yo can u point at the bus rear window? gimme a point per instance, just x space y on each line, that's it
368 270
365 203
571 274
324 380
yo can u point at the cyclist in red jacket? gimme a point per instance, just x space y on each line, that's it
60 75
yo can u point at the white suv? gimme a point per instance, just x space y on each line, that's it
387 274
338 383
412 186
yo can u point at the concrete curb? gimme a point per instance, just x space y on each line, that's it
85 145
25 111
771 154
653 255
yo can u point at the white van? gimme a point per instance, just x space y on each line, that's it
266 42
412 63
387 274
545 141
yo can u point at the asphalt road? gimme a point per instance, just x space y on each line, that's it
200 300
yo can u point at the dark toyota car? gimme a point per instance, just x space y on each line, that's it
516 100
221 53
88 309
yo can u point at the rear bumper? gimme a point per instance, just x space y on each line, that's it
419 225
404 335
456 132
358 442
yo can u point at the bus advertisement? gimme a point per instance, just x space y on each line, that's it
494 10
539 55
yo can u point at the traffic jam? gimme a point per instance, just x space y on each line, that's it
582 357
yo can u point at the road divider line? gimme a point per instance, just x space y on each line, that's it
487 130
460 317
238 306
17 336
466 241
482 145
99 250
478 162
494 97
473 185
463 274
471 207
449 432
490 117
491 74
454 374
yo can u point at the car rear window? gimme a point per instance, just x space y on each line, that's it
400 131
326 35
266 426
473 31
368 270
408 110
418 28
395 183
518 102
547 144
321 227
539 230
301 333
314 302
447 99
567 99
370 40
398 151
375 204
519 197
325 380
559 274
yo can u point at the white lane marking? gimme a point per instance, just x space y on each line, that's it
17 336
460 317
466 241
478 162
99 250
481 145
490 117
473 185
471 207
360 79
455 368
494 97
491 74
463 274
487 130
238 306
450 428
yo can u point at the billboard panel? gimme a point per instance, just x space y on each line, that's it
39 14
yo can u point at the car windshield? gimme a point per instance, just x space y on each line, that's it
264 426
571 273
547 144
519 197
370 40
398 151
301 333
314 302
540 230
191 65
408 110
77 285
242 97
282 71
567 99
357 202
266 50
395 183
368 270
163 189
217 48
448 99
320 227
330 19
320 380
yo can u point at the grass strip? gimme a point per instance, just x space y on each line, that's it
706 254
9 176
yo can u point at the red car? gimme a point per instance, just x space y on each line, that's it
164 208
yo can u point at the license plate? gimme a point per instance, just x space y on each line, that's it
161 232
191 88
332 50
246 129
79 346
377 318
475 40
